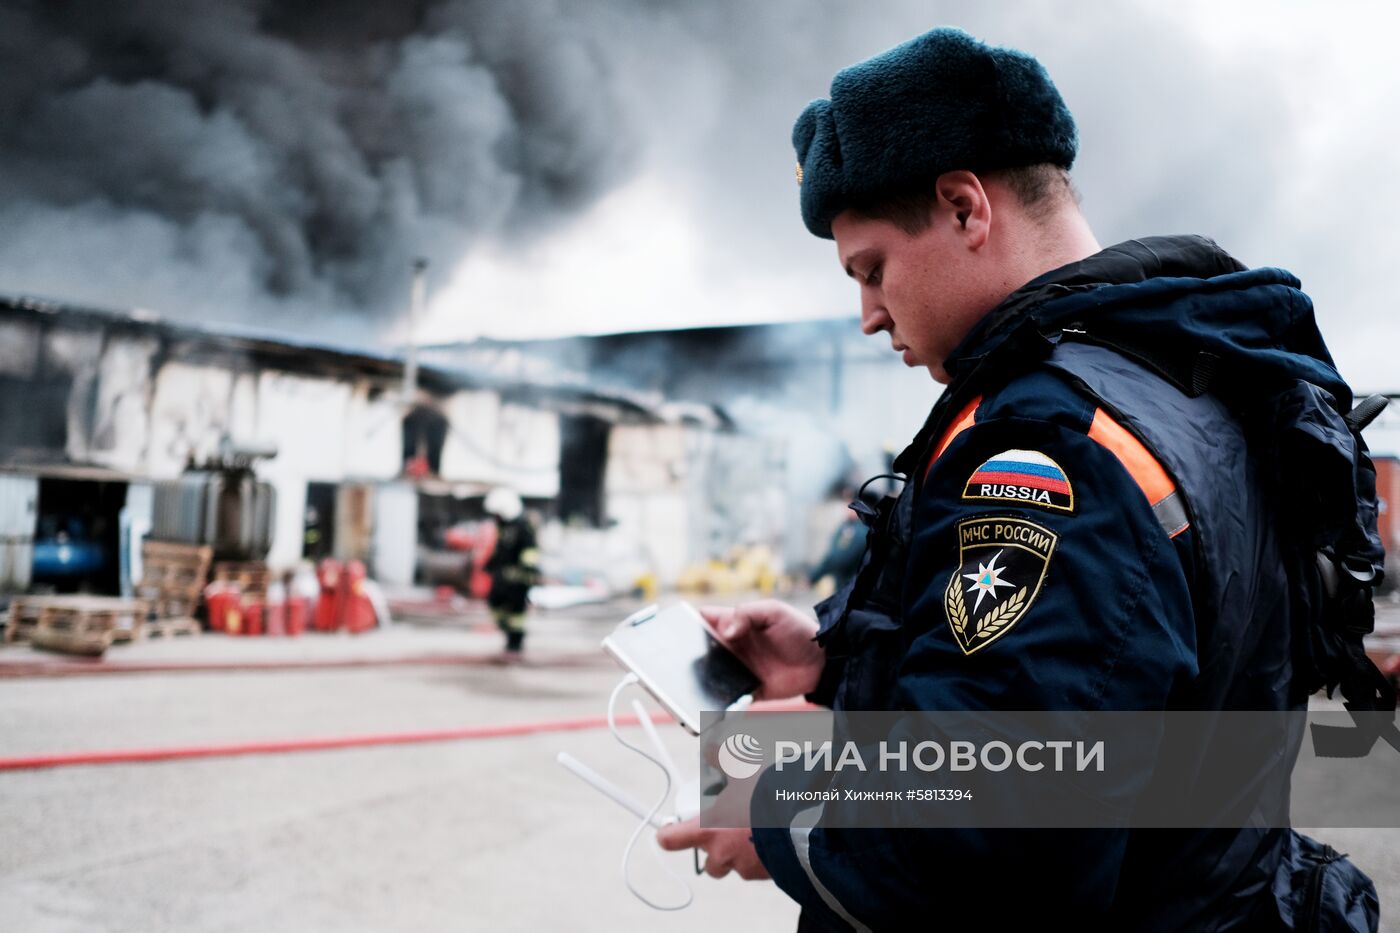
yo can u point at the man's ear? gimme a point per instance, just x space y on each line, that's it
961 198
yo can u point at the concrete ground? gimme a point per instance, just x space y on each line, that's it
481 834
487 834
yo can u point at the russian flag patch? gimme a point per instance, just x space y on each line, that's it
1023 477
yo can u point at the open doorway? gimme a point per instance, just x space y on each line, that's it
318 536
77 538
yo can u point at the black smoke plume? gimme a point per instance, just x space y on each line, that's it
262 156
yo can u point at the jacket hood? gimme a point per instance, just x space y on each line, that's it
1208 321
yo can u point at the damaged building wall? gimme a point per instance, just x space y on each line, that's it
739 494
372 440
19 499
648 521
122 406
495 442
826 405
145 400
685 493
849 385
71 356
691 493
307 421
190 410
19 349
33 405
645 488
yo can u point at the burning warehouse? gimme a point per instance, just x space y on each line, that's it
117 426
122 427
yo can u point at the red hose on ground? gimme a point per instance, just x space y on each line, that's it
76 668
503 730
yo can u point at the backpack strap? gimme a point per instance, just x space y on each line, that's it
1339 555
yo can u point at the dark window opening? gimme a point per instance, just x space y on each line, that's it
583 462
424 433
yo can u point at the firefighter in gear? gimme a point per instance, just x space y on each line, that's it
513 567
1106 510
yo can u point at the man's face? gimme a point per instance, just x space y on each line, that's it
921 288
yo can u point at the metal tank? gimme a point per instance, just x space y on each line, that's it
222 504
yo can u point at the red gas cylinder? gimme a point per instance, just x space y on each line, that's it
358 611
253 610
218 598
328 575
275 614
235 615
296 615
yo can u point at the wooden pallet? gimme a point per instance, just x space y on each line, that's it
173 556
173 577
24 615
86 644
169 605
171 628
86 625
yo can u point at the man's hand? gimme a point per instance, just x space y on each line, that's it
775 641
726 850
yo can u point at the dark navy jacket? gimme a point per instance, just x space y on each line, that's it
1173 584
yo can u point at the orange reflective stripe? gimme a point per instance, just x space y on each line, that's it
1136 459
966 419
1154 481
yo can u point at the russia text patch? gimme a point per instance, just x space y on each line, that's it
1001 563
1025 477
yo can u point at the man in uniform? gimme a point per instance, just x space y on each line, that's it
1105 511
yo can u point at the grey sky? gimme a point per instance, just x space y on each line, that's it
591 167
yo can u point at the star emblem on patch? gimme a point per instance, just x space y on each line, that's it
986 580
1002 561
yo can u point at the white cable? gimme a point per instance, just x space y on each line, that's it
663 756
623 684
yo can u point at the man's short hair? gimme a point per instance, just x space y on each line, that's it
1040 189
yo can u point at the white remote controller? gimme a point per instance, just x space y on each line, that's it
687 792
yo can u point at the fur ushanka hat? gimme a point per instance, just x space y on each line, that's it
940 102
